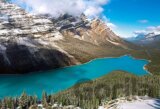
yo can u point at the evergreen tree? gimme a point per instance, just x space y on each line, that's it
4 105
44 99
23 101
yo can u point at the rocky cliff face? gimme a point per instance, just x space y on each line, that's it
27 42
33 42
94 31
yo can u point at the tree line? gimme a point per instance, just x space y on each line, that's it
89 94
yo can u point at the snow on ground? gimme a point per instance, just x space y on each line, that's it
115 43
145 104
133 102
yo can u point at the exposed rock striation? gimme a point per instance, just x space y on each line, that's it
29 42
94 31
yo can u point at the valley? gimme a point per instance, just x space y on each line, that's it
72 62
39 42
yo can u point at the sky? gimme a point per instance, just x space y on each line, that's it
134 16
127 18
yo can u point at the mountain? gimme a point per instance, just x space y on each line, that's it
40 42
146 38
149 40
94 31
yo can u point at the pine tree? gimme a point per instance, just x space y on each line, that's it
44 99
23 101
34 99
4 104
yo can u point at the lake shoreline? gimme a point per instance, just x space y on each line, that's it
144 67
61 79
82 64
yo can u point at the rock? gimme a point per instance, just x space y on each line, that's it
28 42
94 31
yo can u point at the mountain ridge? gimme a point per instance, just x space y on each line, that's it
151 40
39 42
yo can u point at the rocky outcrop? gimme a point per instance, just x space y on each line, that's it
29 42
94 31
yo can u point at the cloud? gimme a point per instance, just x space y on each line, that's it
151 29
93 11
140 32
158 28
143 21
91 8
108 23
102 2
111 25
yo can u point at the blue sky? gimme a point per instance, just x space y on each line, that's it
128 16
132 15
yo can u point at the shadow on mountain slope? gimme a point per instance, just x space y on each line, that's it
22 59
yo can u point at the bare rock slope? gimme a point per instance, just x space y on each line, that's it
39 42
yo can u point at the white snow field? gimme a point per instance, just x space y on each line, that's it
145 104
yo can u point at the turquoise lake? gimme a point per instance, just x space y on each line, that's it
60 79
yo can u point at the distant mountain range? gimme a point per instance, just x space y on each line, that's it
40 42
150 40
151 37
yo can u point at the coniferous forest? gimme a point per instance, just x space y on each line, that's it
89 94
